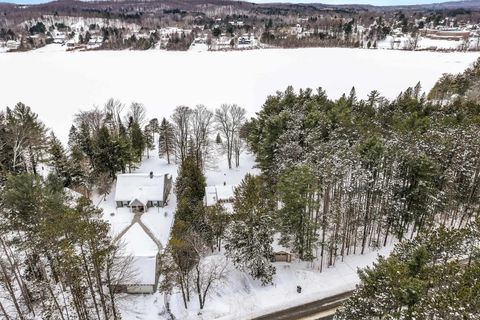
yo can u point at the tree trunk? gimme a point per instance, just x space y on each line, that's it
10 290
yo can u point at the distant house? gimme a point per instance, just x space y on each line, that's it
12 44
59 37
71 43
453 34
140 191
143 257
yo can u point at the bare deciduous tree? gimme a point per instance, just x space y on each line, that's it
208 272
136 113
229 120
94 118
181 124
113 111
201 131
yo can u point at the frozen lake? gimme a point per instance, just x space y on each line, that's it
57 84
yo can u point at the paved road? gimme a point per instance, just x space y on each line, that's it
321 309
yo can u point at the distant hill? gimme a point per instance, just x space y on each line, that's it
189 4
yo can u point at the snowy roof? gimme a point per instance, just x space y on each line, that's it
144 269
144 251
140 186
224 193
138 242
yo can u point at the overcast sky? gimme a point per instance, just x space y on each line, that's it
373 2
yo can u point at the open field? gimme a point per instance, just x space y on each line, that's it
56 84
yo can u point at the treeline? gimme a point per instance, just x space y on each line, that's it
464 86
117 39
434 276
57 259
349 174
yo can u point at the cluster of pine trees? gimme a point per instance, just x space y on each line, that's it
349 174
102 143
339 177
57 259
434 276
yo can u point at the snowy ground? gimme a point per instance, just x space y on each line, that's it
238 297
57 84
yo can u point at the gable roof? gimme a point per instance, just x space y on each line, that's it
137 202
143 249
140 186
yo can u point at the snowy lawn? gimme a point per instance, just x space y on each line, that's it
58 84
119 218
238 297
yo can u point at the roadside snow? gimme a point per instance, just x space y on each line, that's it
239 297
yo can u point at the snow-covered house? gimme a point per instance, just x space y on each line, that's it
59 36
95 42
220 194
12 44
140 191
142 255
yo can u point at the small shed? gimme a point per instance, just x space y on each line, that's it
282 256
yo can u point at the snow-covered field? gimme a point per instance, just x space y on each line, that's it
56 84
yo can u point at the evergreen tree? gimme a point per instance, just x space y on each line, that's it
297 192
69 259
250 236
137 140
107 154
126 157
425 278
149 136
25 136
218 219
59 161
166 140
190 190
